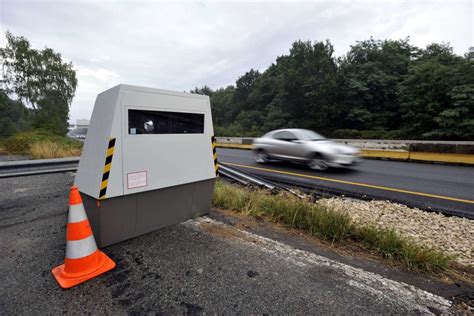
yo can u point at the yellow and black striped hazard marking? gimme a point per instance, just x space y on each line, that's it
214 154
107 166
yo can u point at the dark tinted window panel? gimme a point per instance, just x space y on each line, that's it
286 136
161 122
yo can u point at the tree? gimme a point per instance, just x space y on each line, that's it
205 90
14 116
308 90
435 96
369 77
53 113
40 79
243 88
275 118
457 121
221 105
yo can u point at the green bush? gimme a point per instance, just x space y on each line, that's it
20 143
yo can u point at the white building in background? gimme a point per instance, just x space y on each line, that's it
82 123
79 130
79 123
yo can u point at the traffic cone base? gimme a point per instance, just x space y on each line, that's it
67 279
83 260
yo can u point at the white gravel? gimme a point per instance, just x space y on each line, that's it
452 235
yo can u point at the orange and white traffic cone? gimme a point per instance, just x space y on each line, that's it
83 260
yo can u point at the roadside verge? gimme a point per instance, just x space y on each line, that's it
326 222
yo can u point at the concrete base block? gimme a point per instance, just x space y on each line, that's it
120 218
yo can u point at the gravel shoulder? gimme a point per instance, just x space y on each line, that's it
450 234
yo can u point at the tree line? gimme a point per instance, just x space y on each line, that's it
380 89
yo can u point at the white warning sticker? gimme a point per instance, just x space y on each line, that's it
136 180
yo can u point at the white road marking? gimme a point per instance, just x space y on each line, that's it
21 190
368 282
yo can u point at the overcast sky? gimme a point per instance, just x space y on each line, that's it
178 46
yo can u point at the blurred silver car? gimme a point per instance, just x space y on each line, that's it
303 146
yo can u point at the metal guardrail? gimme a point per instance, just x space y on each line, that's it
246 178
41 166
243 177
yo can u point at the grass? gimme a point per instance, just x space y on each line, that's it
329 225
49 149
39 144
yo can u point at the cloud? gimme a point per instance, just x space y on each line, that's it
91 80
179 46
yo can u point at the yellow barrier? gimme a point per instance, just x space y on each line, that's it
395 155
442 157
388 154
235 146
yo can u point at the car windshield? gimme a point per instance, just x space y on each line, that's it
310 135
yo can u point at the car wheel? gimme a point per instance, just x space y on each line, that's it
260 156
317 163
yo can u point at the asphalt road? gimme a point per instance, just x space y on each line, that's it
200 266
446 188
